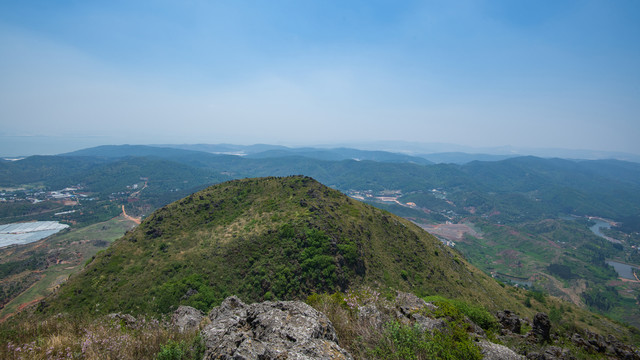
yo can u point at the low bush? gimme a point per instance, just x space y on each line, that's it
457 309
402 342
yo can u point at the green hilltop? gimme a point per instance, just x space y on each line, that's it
269 238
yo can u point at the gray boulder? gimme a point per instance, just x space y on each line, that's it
186 318
428 324
408 304
493 351
270 330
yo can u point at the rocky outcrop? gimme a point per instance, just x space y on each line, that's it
408 303
409 310
509 321
186 318
372 316
428 324
294 330
610 346
541 327
551 353
270 330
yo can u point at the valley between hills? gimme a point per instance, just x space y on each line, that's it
521 221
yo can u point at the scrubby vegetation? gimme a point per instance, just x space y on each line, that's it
364 337
457 309
400 342
66 337
368 326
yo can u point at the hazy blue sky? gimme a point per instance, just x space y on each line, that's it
562 74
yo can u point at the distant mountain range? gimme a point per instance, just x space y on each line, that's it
417 148
544 187
396 152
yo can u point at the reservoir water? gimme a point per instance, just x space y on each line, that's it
625 271
599 224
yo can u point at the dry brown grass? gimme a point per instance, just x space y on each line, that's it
104 338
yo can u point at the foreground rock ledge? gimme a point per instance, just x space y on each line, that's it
270 330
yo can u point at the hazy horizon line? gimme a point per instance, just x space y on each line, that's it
13 150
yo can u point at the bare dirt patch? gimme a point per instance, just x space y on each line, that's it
453 232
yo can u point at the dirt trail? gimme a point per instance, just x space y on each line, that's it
135 220
20 308
24 305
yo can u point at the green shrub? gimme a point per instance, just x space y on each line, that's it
171 351
538 296
410 342
404 275
479 315
555 314
527 302
180 350
457 309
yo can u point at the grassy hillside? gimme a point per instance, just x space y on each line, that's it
269 238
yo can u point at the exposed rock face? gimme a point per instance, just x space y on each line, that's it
408 303
294 330
186 318
270 330
551 353
610 346
372 315
493 351
541 327
125 319
428 324
509 321
408 310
